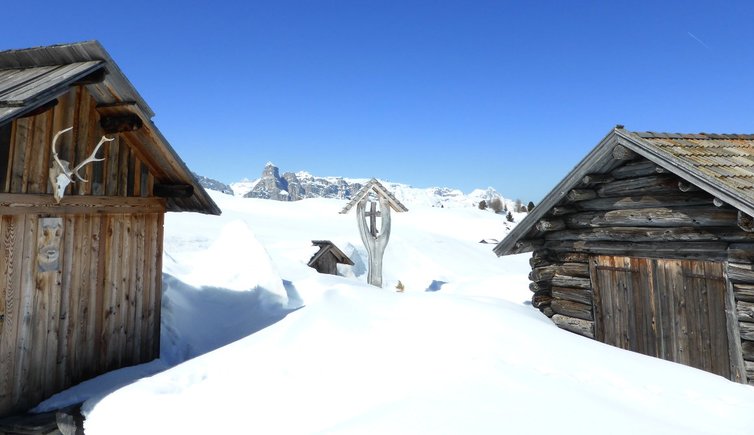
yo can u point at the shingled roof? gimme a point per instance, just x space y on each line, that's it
719 164
33 77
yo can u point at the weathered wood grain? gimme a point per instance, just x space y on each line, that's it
644 201
572 309
545 273
653 234
16 204
576 325
571 281
581 295
654 217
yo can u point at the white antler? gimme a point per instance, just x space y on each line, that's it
64 164
62 175
91 158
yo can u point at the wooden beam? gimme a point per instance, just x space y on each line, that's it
560 210
550 225
173 190
634 169
572 324
718 202
546 273
653 234
651 184
745 222
120 123
93 78
17 204
596 178
644 201
41 109
581 295
571 282
580 194
705 250
685 186
654 217
572 309
622 153
735 350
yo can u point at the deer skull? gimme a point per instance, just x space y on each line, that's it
61 174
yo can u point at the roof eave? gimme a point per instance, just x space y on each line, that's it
603 150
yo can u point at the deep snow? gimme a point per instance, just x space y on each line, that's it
300 352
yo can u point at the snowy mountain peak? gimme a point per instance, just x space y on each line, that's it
294 186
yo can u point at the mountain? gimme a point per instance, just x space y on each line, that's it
292 186
209 183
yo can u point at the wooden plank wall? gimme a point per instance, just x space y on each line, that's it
639 210
671 309
27 151
97 311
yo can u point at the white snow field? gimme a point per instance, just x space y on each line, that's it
256 342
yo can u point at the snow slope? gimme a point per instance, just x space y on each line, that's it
299 352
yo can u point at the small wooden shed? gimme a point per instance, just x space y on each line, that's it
328 257
80 278
647 245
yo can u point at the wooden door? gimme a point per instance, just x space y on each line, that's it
671 309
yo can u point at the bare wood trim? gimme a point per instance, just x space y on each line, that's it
737 368
14 204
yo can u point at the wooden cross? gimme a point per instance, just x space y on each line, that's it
373 214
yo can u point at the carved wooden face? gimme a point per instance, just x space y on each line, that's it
50 232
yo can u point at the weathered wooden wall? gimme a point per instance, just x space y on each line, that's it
80 281
96 309
25 150
640 210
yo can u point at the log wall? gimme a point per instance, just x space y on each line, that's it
89 308
25 152
639 210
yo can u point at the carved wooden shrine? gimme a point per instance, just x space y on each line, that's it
375 240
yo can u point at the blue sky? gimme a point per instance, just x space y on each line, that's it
465 94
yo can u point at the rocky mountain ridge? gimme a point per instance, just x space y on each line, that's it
290 186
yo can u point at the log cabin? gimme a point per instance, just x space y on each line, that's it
648 245
80 272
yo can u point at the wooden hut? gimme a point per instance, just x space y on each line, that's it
80 275
328 257
647 245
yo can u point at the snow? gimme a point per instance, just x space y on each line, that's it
254 341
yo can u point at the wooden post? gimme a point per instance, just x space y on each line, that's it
374 241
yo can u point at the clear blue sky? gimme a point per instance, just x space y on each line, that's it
466 94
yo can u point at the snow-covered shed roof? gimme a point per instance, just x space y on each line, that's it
719 164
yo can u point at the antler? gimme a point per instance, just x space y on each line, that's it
90 159
63 166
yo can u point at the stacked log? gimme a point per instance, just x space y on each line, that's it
741 276
562 290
